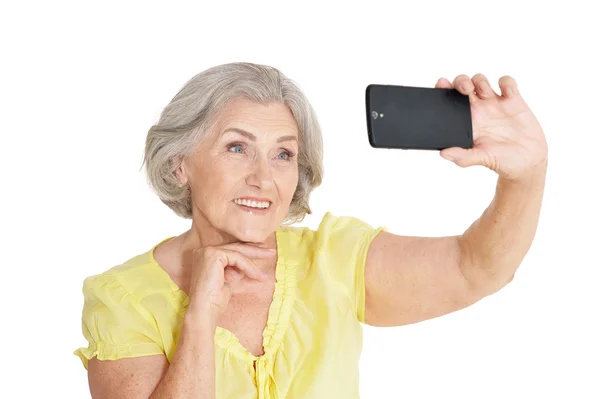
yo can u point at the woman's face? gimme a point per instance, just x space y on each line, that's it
244 174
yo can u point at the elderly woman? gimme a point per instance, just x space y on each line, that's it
244 305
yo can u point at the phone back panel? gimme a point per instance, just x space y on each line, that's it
418 117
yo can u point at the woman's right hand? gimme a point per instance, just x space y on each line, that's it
216 269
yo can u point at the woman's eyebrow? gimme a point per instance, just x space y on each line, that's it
252 137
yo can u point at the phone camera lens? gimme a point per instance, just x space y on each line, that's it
374 114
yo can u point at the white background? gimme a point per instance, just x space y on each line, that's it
81 83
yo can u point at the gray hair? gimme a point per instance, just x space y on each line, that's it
187 119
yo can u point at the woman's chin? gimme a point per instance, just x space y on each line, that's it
252 231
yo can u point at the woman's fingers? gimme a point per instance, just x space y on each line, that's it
483 89
443 83
242 263
508 86
464 85
237 257
232 275
478 87
250 250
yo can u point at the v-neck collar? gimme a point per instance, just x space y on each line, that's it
280 309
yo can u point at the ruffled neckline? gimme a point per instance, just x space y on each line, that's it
280 310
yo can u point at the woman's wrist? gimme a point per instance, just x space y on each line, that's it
201 317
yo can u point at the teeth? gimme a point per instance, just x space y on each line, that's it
252 204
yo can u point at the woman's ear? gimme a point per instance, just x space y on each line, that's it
180 170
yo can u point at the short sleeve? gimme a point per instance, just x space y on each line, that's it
114 323
344 241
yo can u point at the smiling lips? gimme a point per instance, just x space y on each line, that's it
250 203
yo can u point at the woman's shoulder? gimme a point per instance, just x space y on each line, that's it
333 226
334 234
138 276
334 255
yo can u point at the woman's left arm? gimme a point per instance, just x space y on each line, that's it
410 279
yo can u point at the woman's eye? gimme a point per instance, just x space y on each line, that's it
236 148
287 155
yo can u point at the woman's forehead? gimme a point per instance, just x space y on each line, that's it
250 118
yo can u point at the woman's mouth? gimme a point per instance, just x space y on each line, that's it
252 206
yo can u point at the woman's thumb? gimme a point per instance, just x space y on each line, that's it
464 157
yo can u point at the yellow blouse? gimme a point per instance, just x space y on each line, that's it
313 337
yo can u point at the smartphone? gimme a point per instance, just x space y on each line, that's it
418 118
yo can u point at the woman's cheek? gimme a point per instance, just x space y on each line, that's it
289 180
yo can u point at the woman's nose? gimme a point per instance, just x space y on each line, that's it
260 174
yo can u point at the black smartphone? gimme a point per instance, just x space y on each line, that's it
418 118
